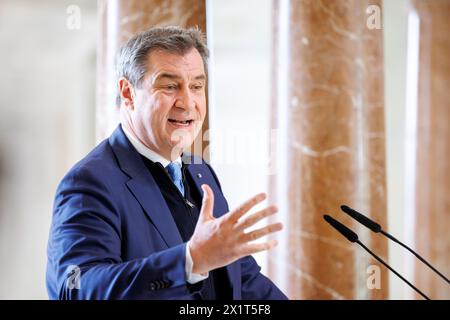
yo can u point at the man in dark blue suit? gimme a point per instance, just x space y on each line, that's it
138 218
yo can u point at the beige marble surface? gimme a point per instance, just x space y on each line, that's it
328 67
432 188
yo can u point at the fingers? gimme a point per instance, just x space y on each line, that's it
256 234
258 247
206 211
246 206
254 218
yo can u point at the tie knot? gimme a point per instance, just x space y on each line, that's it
174 171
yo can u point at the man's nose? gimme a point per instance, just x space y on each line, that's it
185 100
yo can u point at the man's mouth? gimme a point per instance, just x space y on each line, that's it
181 123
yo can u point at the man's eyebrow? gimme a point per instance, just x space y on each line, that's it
167 75
172 76
200 77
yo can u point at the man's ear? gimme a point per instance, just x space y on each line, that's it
126 93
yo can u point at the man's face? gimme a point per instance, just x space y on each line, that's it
168 109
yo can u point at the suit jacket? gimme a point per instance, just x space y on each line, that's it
113 232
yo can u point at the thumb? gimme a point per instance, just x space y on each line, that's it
206 213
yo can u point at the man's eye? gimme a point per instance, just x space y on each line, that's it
198 87
171 87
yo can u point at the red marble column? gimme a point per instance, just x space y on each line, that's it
328 111
432 172
119 21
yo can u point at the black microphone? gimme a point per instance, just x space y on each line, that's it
375 227
353 237
372 225
346 232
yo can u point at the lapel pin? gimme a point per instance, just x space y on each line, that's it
199 175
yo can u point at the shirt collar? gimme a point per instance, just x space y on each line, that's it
146 152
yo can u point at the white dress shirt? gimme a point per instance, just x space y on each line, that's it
155 157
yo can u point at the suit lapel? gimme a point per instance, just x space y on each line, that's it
144 188
201 174
146 191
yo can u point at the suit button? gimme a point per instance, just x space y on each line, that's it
159 284
199 175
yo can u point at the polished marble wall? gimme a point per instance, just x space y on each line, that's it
431 215
328 108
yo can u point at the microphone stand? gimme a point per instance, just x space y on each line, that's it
395 272
353 237
386 234
375 227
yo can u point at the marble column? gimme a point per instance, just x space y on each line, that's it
328 116
119 20
431 215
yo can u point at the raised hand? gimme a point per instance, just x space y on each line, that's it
217 242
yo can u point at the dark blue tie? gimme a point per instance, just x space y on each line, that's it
174 170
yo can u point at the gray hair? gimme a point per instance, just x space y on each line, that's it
132 57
